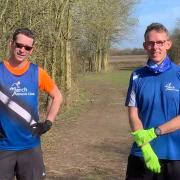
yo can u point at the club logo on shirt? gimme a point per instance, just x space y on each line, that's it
170 87
17 90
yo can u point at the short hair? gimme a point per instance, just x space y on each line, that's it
25 31
157 27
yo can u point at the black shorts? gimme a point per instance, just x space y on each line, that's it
24 165
136 170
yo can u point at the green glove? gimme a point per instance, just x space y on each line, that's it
150 158
142 136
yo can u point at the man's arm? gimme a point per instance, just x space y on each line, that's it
150 158
147 135
52 111
54 104
144 136
170 126
47 84
134 121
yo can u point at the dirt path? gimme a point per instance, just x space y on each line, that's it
94 146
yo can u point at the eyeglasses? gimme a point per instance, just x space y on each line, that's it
152 43
20 46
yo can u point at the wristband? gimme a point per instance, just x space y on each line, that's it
157 131
49 123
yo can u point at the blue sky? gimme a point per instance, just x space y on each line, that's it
147 11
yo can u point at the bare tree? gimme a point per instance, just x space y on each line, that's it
175 50
67 30
101 22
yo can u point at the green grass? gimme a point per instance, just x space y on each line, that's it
120 78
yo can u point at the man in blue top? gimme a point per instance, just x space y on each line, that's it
20 128
153 101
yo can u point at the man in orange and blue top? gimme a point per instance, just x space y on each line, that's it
20 146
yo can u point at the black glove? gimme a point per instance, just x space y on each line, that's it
41 127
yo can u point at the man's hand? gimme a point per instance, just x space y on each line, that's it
41 127
150 158
141 137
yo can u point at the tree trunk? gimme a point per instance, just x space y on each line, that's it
68 51
105 61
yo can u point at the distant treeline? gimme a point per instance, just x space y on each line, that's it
175 50
120 52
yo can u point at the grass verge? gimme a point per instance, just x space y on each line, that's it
120 78
78 104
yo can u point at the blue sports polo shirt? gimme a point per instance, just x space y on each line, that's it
24 88
157 97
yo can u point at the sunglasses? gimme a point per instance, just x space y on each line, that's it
20 46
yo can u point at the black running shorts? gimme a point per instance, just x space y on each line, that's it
24 164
